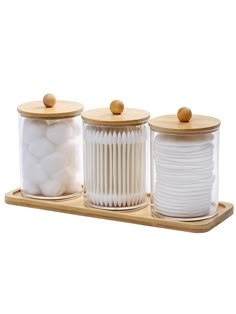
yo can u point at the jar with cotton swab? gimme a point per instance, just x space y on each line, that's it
115 157
184 165
50 148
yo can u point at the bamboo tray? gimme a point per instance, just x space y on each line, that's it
142 216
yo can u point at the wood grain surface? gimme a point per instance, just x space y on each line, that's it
103 116
171 124
142 216
62 109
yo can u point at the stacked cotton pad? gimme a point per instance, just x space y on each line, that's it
184 174
50 157
115 166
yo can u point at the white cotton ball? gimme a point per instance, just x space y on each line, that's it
32 130
41 147
71 153
61 176
52 121
28 161
52 187
72 172
37 175
59 133
64 174
75 123
73 186
70 179
29 187
53 163
73 182
31 169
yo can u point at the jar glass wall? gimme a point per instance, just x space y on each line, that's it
184 174
115 166
50 157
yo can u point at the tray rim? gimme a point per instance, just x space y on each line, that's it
142 216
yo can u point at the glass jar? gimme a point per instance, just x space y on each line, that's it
50 149
115 157
184 166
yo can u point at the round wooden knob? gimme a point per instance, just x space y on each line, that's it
117 107
49 100
184 114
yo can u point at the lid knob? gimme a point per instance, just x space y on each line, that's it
117 107
49 100
184 114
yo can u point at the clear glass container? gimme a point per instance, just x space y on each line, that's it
50 149
115 146
184 174
184 165
115 166
50 157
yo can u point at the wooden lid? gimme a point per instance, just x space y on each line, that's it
117 115
50 108
184 122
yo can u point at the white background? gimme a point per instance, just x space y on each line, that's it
157 55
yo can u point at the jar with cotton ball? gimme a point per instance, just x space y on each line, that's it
184 165
50 148
115 141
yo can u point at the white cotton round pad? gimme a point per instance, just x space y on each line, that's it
184 174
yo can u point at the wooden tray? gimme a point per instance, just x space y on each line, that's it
142 216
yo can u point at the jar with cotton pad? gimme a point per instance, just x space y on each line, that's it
184 165
115 157
50 148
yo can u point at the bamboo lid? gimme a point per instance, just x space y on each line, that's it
184 122
117 115
50 108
